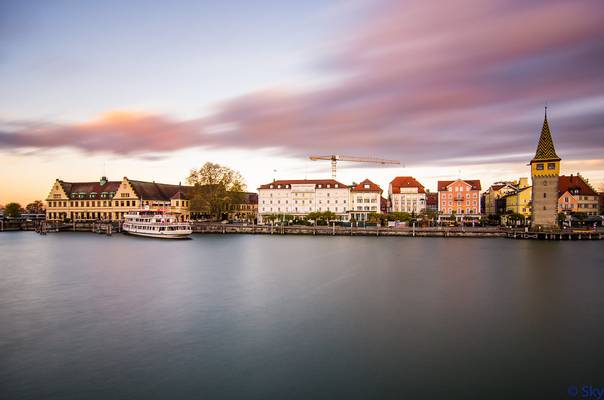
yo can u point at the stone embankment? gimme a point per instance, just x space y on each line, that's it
108 228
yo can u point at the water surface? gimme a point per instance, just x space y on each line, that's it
298 317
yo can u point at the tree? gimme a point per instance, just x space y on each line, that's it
37 207
12 210
215 189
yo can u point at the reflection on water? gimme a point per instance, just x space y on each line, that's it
86 316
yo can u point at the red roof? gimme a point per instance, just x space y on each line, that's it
361 187
407 182
475 183
575 184
286 184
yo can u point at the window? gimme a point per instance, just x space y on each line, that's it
539 167
551 165
544 195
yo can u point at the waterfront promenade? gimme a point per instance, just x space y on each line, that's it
218 228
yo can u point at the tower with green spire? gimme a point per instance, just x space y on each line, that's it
545 169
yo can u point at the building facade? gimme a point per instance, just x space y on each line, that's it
498 190
577 196
110 200
365 198
406 195
301 197
459 199
519 202
545 169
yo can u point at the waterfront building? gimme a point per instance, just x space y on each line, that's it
459 199
545 169
246 210
301 197
498 190
518 202
406 195
110 200
365 198
576 195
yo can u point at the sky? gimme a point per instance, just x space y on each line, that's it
150 90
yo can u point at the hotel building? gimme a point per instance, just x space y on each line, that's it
300 197
365 198
407 195
459 198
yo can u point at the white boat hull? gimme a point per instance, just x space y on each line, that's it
161 235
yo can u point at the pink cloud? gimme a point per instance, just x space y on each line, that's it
422 81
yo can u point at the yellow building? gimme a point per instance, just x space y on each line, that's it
499 190
110 200
519 202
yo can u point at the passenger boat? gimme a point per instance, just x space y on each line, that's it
156 224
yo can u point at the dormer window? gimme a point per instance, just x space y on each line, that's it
271 186
319 186
551 165
328 186
336 185
539 167
366 186
278 186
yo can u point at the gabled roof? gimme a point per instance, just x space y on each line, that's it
575 184
475 183
286 183
545 149
249 198
406 182
372 187
89 187
158 191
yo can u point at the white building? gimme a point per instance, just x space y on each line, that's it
407 195
364 199
300 197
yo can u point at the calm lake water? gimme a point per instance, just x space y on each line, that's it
85 316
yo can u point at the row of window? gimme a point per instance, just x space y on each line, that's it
550 166
302 202
302 210
109 203
474 203
460 211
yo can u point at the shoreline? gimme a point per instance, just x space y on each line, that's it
214 228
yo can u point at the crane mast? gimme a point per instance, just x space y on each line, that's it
334 158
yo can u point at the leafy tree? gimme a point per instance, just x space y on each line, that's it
13 210
37 207
215 189
321 218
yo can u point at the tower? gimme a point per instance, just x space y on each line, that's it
545 169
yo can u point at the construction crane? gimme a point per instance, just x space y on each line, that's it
335 158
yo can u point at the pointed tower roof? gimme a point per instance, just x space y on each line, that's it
545 149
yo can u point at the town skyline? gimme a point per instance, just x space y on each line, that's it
452 93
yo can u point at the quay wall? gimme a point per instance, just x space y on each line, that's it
109 228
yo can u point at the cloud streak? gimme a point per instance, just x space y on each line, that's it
420 81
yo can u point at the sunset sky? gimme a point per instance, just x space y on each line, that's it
150 90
